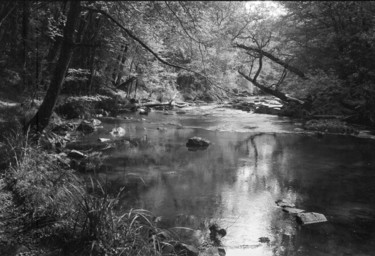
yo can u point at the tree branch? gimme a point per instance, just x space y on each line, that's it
181 23
7 14
273 58
259 67
131 35
275 93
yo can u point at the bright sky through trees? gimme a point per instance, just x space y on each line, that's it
271 8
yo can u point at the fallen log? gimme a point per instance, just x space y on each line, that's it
158 104
180 105
155 104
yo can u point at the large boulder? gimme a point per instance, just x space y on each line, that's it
197 142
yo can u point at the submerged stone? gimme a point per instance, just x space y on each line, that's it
197 142
311 218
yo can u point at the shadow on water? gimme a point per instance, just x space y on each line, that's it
238 178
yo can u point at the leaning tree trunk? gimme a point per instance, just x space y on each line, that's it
41 118
277 94
291 68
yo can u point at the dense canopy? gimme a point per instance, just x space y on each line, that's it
321 52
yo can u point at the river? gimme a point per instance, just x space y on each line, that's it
253 160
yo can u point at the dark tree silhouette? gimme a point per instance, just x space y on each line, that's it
41 119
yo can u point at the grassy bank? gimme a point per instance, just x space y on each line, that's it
46 209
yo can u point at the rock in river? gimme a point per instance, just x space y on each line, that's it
143 111
284 203
310 218
119 131
104 139
197 142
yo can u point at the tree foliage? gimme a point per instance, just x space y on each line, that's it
163 42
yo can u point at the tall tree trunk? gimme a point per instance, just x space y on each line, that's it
41 119
25 40
92 70
93 53
118 64
121 66
54 49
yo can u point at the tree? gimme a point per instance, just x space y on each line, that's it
335 40
41 119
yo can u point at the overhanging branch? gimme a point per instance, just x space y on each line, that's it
273 58
131 35
275 93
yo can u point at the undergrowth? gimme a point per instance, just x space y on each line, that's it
50 210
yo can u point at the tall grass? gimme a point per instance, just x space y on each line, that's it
109 233
55 210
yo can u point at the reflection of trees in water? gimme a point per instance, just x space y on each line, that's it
265 156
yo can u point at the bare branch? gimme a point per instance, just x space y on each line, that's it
181 24
259 67
273 58
241 30
7 14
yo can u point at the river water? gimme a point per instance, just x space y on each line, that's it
253 161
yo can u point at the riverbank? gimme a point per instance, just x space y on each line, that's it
47 208
43 183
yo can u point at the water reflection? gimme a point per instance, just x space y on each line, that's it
237 180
